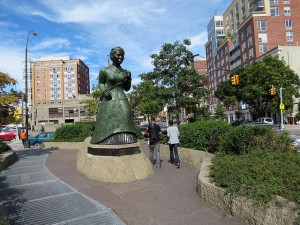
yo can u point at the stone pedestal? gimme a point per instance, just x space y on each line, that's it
113 163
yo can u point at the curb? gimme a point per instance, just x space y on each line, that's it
7 159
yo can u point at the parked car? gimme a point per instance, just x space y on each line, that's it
271 126
37 140
240 122
8 134
265 120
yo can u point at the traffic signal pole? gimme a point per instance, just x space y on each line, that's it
281 110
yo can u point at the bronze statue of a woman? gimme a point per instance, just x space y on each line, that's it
114 122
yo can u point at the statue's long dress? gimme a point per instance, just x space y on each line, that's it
114 123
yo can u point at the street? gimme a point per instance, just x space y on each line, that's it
292 129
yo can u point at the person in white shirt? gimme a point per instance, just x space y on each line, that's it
173 140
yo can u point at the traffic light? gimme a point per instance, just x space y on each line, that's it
272 91
235 80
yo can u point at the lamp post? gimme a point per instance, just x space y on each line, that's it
26 143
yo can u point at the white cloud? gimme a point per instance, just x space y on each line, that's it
52 43
89 29
11 62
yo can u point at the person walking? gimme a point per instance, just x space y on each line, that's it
23 136
154 138
173 141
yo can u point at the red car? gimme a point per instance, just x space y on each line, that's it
8 135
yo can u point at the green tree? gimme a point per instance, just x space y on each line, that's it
92 104
143 99
203 113
220 112
256 79
8 98
179 85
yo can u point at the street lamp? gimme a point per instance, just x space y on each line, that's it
26 143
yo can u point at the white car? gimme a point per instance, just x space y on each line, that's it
265 120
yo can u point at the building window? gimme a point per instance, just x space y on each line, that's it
236 7
244 10
286 1
274 10
262 37
249 29
263 49
289 36
37 76
287 10
288 24
244 46
55 112
250 53
243 35
250 41
237 16
262 25
273 1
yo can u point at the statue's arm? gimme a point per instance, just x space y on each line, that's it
127 84
102 79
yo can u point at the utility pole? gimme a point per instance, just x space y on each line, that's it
281 109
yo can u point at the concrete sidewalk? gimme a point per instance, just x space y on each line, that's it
167 197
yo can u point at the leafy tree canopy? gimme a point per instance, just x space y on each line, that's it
143 99
256 80
8 98
178 84
92 104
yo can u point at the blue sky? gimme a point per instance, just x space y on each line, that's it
89 29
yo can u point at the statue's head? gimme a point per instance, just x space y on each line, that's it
114 50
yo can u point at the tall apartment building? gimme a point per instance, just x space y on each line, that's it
29 82
252 28
54 81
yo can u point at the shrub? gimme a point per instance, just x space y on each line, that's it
242 139
76 132
4 147
203 135
259 175
138 132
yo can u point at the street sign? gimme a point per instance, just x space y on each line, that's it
281 106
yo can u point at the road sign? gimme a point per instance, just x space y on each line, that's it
281 106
